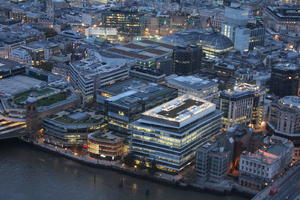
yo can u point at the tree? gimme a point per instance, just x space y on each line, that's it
153 168
47 66
50 32
129 160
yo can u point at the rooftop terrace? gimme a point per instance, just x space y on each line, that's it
19 83
77 116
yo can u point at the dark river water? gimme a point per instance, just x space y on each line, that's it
27 173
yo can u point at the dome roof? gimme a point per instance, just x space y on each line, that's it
217 40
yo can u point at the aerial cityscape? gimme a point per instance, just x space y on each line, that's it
154 100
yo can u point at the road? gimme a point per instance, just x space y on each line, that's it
288 189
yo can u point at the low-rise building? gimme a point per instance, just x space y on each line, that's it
71 128
152 54
284 121
105 145
258 169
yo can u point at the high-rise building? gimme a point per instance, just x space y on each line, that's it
245 36
127 22
187 60
171 133
284 121
50 9
242 105
285 80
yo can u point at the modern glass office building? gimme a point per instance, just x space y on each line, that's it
169 134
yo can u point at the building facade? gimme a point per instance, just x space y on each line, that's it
104 145
258 169
242 105
171 133
285 80
284 121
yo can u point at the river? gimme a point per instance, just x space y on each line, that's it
27 173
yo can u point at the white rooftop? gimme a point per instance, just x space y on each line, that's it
183 110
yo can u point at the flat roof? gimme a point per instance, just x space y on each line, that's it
77 116
6 65
108 136
276 149
97 64
19 83
292 101
123 86
143 49
241 89
182 109
175 111
149 91
191 82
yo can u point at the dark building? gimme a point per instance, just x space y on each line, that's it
10 68
285 80
257 35
128 22
187 60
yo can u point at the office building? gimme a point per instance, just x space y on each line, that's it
202 87
245 36
171 133
127 22
285 80
187 60
124 101
282 18
242 105
96 71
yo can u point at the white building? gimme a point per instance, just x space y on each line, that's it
195 85
171 133
96 71
259 168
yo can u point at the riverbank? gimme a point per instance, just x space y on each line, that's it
159 177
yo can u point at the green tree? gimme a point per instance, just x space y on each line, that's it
50 32
153 168
129 160
47 66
